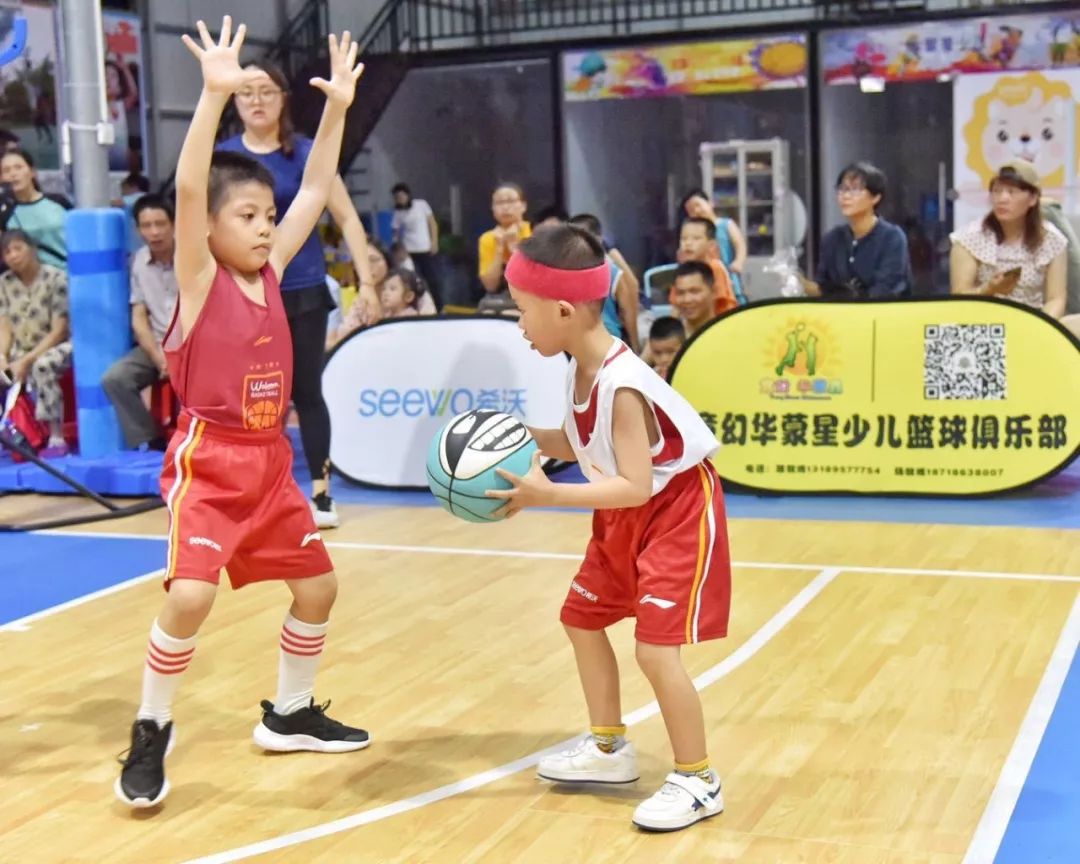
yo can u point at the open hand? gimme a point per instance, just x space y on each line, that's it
532 489
221 69
344 70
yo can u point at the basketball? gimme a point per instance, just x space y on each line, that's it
464 455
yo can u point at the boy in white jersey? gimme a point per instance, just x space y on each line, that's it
659 549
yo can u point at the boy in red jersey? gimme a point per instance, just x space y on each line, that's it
659 548
228 480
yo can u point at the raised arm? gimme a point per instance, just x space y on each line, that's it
222 76
321 167
352 229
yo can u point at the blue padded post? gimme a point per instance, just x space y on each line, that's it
100 320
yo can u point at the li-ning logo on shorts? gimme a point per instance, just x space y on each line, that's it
308 538
583 591
204 541
657 601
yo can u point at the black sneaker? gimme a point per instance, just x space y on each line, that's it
324 511
142 783
307 729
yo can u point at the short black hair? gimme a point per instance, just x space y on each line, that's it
153 202
14 235
707 224
564 247
871 177
137 180
231 169
696 268
552 211
589 223
666 327
401 187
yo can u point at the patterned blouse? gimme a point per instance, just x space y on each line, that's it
31 308
993 258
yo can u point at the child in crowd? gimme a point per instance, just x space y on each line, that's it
666 337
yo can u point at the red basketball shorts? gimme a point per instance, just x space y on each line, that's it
665 563
233 503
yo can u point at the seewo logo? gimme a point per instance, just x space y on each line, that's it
444 402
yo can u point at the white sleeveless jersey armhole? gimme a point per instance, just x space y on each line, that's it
684 439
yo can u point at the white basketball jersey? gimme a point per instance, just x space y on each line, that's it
684 441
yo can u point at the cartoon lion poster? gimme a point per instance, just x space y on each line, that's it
1000 117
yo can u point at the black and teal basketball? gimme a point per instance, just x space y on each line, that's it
464 455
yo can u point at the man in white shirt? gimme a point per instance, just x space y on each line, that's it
416 229
153 301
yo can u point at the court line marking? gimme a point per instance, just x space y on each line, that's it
725 667
573 556
990 831
20 625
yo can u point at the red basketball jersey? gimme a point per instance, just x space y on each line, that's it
235 366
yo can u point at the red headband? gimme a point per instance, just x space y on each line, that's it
573 286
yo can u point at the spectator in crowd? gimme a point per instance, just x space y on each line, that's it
666 337
35 338
270 138
29 209
416 228
730 242
8 140
401 293
381 265
697 242
694 294
620 312
153 302
497 245
867 257
400 257
1012 252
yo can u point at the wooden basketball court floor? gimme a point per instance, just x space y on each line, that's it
878 700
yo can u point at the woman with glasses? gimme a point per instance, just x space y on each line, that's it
497 245
867 257
269 137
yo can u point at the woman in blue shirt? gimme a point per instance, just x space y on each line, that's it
29 209
269 137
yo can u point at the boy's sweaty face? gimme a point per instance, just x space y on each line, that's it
242 230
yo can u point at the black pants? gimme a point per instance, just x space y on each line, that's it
307 310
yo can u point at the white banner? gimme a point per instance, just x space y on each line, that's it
1003 116
391 387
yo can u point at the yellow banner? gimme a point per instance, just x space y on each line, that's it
942 396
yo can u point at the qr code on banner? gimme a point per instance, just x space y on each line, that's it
964 361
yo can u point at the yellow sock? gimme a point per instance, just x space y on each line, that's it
696 769
608 738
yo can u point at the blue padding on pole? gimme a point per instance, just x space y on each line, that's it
100 319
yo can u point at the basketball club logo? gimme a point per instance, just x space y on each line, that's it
263 400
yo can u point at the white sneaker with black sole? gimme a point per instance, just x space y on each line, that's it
679 803
307 729
587 763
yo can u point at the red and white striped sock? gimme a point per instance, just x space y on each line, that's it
301 648
166 659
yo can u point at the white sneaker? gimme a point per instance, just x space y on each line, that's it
587 763
679 803
324 511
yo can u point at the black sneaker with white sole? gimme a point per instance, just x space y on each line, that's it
142 782
307 729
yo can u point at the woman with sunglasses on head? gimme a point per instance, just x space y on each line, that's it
269 137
